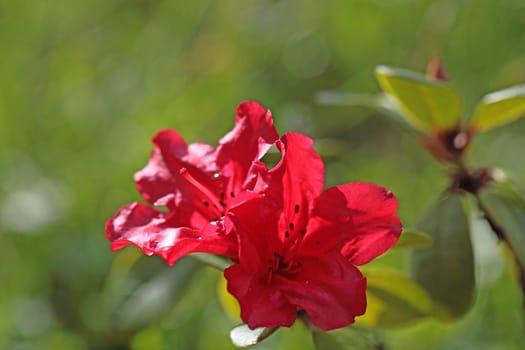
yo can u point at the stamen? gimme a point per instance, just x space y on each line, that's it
206 192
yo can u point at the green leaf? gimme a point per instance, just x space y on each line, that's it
349 338
242 336
446 270
414 239
154 297
499 108
393 299
505 205
427 105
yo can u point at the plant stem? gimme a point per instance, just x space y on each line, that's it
211 260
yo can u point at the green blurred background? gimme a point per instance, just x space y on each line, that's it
85 84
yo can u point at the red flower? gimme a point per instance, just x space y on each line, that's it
198 185
298 245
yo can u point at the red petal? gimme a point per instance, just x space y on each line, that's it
197 158
189 192
329 289
262 305
359 215
199 155
155 182
152 232
252 136
297 179
258 238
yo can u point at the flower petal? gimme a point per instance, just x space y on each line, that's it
329 289
262 305
360 218
152 232
253 135
199 155
257 232
198 158
155 182
195 190
296 180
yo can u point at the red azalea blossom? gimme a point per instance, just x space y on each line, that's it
298 244
198 185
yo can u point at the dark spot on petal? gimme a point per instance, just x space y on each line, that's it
293 241
205 202
291 226
222 203
296 208
302 231
286 234
232 194
222 196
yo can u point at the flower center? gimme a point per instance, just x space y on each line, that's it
280 265
292 236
